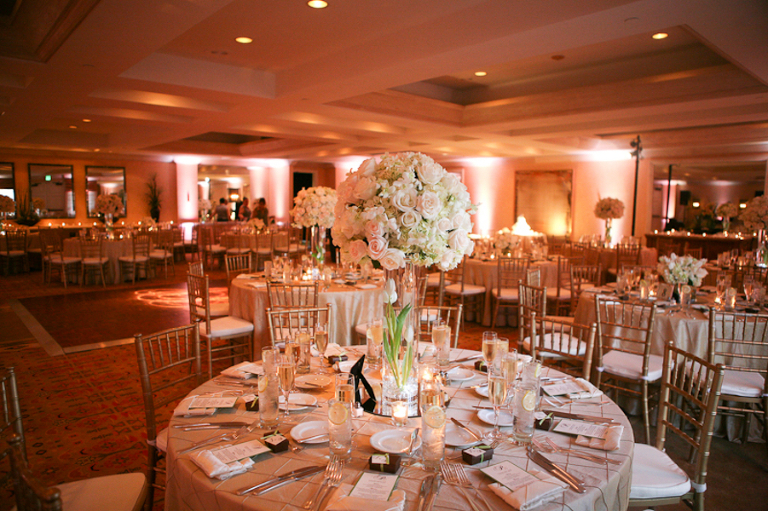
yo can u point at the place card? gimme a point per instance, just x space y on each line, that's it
509 475
571 427
375 486
213 402
240 451
252 368
562 387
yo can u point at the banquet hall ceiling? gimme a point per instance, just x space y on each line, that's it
159 79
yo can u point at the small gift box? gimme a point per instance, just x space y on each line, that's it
252 405
477 454
275 441
480 365
543 421
384 462
337 358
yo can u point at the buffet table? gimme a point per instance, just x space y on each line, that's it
711 245
351 306
189 489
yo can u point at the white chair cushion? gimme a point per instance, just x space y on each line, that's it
14 253
565 294
630 365
130 259
507 293
219 309
655 475
428 316
122 492
548 338
160 254
65 260
264 251
227 326
740 383
238 250
469 289
95 260
216 249
161 442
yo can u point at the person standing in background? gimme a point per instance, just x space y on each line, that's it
222 211
261 211
245 211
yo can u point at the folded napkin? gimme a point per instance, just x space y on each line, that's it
341 501
333 349
347 365
609 443
366 286
214 467
339 281
530 496
235 372
589 390
183 408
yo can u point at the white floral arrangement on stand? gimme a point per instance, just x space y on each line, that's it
204 209
755 215
255 224
505 241
404 208
7 205
148 222
609 208
727 211
314 207
109 204
682 269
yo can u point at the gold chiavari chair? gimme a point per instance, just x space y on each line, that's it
560 296
139 258
510 271
429 314
52 251
237 264
584 276
286 323
163 252
456 290
15 250
567 345
290 296
533 303
94 260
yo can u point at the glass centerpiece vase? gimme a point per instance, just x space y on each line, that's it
317 245
608 231
109 220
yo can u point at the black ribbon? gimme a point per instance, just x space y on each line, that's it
357 371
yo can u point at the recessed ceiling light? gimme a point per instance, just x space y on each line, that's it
86 120
73 127
558 57
480 73
660 35
244 40
96 150
317 4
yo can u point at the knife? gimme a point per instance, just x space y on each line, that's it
414 434
556 471
576 416
462 426
433 492
426 486
467 359
279 481
234 424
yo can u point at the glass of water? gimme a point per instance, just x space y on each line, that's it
304 355
523 409
432 405
441 339
269 389
374 337
340 429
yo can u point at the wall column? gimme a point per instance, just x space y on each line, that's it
186 189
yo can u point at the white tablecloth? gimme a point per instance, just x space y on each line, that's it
113 250
189 489
351 306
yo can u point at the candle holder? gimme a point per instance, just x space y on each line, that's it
399 409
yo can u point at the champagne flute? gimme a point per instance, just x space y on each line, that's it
749 287
286 371
489 348
321 338
497 394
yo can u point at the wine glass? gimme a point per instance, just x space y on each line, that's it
286 371
489 347
497 394
749 287
321 338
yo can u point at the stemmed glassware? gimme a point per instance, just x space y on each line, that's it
749 287
489 347
497 394
286 371
321 337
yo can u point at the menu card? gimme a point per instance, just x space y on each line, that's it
375 486
571 427
562 387
509 475
213 402
240 451
252 368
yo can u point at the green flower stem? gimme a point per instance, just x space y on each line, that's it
391 346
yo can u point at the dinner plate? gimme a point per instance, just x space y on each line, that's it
298 401
394 441
308 430
483 391
312 381
487 416
457 437
460 374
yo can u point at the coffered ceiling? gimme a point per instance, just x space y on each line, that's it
161 78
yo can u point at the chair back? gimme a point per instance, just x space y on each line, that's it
196 268
584 276
15 241
428 314
569 345
533 303
286 323
739 342
288 296
169 367
690 391
141 244
625 327
627 254
666 246
199 299
281 243
91 248
237 264
533 277
31 494
510 271
11 419
693 252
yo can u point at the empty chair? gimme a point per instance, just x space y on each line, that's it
509 273
690 390
210 247
533 304
237 264
94 260
169 368
11 418
218 309
263 250
624 360
583 276
559 297
628 254
138 260
54 258
179 246
429 314
533 277
227 338
567 345
15 250
693 252
289 296
286 323
163 252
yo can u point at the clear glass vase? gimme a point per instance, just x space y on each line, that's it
761 253
108 224
608 231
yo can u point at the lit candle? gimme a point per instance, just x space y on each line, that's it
655 231
399 413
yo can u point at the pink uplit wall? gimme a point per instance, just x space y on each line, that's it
491 185
279 197
259 183
186 190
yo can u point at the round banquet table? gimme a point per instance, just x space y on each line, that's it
485 273
189 489
351 306
113 251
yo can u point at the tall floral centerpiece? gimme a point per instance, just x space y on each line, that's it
7 205
506 241
255 224
607 209
109 206
402 213
755 218
682 270
204 209
314 208
727 211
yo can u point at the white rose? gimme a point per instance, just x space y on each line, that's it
410 219
404 199
429 205
374 228
458 240
447 260
461 220
444 225
365 188
451 182
357 250
377 247
368 167
430 173
392 259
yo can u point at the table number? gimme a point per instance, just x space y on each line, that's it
213 402
571 427
509 475
374 486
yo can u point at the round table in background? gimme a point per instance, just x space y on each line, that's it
113 250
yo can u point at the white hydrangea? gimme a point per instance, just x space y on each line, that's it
609 208
755 215
109 204
315 206
682 269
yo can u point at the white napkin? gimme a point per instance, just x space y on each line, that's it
235 372
339 281
183 408
366 286
214 467
610 443
589 390
346 366
333 349
341 501
532 495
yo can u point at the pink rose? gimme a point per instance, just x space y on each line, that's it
392 259
373 228
444 225
377 246
357 250
429 205
410 219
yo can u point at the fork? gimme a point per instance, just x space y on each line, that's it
326 476
553 447
333 482
464 481
450 477
224 437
